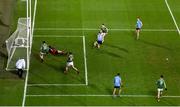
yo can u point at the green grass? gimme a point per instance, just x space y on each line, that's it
140 62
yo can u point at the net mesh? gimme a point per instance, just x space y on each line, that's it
18 44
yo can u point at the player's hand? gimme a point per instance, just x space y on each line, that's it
166 89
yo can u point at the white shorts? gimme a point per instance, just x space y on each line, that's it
68 64
42 53
160 89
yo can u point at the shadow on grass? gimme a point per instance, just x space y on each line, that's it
109 90
156 45
3 55
117 47
110 53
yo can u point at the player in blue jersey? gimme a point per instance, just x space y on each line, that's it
100 39
117 85
139 25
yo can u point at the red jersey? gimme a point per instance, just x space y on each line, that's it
53 51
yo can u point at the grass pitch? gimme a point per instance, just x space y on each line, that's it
64 23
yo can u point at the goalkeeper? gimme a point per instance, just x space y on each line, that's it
161 85
43 50
54 51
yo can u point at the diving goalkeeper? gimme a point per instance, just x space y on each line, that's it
54 51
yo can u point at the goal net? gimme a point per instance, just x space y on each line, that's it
19 44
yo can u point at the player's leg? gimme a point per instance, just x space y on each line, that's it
119 91
66 68
95 44
158 95
20 73
114 91
75 68
137 32
60 52
98 46
161 93
41 55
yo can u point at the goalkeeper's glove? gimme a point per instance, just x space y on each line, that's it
166 89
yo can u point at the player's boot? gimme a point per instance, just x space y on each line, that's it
42 60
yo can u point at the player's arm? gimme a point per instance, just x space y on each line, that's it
107 30
41 48
122 84
141 24
165 85
24 64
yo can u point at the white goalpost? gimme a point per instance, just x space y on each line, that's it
20 42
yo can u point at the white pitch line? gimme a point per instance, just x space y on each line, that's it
27 74
174 20
34 85
85 60
34 17
85 63
57 36
93 29
20 46
94 95
10 58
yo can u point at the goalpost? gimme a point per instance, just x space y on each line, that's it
20 42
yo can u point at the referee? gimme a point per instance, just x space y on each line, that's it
20 66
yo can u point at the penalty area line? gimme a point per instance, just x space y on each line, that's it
85 60
93 29
56 36
94 95
34 85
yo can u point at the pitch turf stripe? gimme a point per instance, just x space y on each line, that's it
92 29
173 18
94 95
34 85
58 36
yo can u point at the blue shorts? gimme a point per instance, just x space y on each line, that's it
138 28
99 42
117 87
